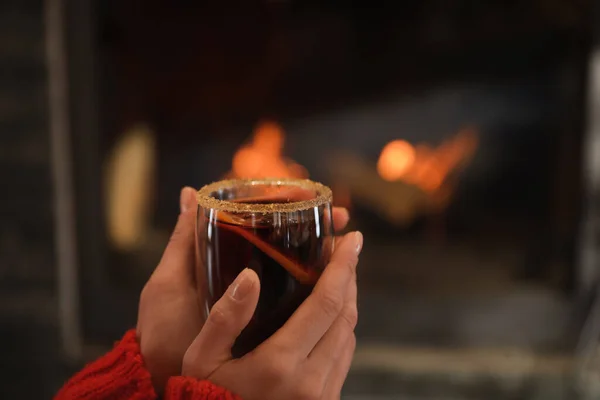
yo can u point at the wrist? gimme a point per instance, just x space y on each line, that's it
116 375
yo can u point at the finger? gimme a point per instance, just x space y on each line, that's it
338 375
187 199
177 261
340 218
317 313
332 343
227 318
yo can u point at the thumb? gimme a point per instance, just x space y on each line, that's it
227 318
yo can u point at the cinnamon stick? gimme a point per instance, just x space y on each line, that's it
305 276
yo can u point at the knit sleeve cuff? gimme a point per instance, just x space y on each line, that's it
118 375
186 388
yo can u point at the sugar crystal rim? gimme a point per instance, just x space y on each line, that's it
205 200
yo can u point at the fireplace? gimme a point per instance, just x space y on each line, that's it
453 134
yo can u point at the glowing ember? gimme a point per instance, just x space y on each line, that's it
424 166
263 157
396 158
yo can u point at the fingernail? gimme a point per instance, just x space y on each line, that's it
358 239
187 199
242 285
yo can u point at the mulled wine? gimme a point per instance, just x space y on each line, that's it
280 230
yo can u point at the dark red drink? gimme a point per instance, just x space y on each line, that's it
287 249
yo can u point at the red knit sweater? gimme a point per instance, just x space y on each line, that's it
121 375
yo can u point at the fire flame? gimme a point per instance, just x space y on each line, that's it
423 166
263 156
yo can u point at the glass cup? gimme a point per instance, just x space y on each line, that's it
280 228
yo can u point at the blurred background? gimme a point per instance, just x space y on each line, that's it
462 136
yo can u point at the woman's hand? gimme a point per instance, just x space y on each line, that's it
308 358
169 316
